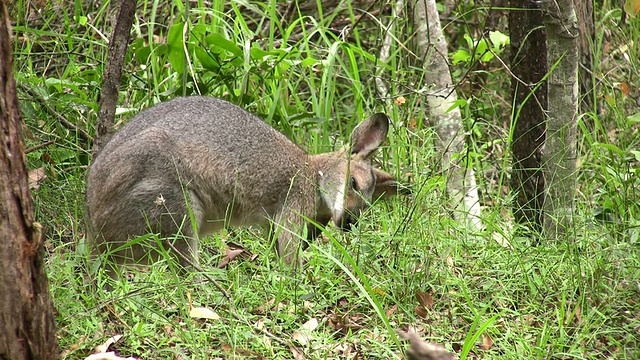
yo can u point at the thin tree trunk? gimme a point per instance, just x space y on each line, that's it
559 151
586 21
432 47
27 328
529 66
113 73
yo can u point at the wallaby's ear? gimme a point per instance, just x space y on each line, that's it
386 184
368 135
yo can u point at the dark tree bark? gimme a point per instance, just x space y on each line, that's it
586 22
113 73
529 66
27 328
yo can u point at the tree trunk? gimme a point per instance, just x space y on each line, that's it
559 151
586 21
113 73
529 66
27 329
432 47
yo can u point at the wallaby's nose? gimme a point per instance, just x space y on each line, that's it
347 221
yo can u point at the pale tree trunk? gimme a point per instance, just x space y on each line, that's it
559 151
432 47
27 328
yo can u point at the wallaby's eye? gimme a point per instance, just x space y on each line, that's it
352 183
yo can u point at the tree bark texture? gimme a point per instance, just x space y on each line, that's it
113 73
27 328
432 47
529 66
559 151
586 21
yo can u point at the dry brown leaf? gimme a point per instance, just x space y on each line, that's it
422 350
450 262
487 342
230 254
233 251
391 311
345 324
35 176
303 335
421 311
624 88
424 299
400 100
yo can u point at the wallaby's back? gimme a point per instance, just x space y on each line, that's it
225 163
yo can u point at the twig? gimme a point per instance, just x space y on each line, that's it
39 146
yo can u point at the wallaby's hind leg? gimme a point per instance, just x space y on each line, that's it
180 230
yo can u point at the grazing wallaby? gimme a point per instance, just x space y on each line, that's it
193 165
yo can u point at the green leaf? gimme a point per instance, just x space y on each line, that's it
499 40
609 147
175 41
633 119
206 59
487 56
219 41
461 56
82 20
458 103
309 61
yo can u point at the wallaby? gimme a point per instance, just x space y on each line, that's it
193 165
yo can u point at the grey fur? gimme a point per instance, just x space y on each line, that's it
229 168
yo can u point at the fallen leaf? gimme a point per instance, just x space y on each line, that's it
303 335
229 255
378 291
107 356
421 311
422 350
632 7
391 311
105 346
424 299
203 313
450 261
487 342
200 312
35 176
400 100
624 87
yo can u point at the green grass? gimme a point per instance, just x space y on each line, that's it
575 299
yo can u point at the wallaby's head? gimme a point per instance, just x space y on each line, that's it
347 181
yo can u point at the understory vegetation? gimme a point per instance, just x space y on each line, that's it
312 74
